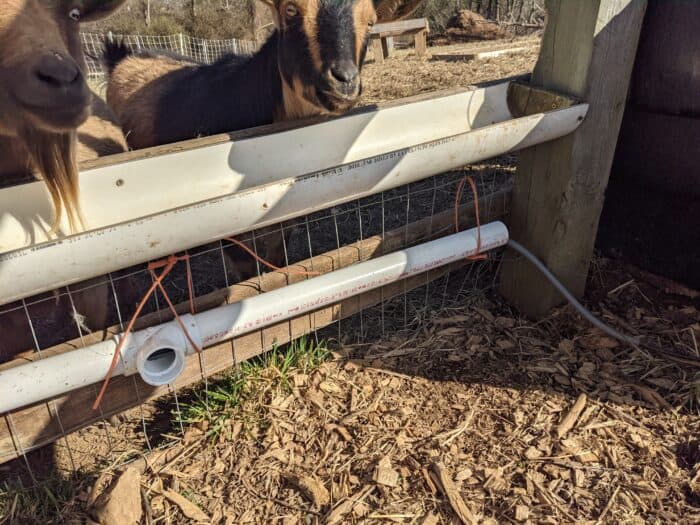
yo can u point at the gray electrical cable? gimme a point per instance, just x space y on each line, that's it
569 297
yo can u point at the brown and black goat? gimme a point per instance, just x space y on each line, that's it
49 119
310 65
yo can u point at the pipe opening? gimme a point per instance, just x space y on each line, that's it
160 361
162 366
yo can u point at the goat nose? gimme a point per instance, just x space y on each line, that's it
58 71
344 72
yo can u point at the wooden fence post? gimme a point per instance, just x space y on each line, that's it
385 47
588 51
377 48
421 42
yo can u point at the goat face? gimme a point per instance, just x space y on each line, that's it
43 93
41 82
323 43
322 46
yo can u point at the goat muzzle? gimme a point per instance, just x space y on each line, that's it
53 90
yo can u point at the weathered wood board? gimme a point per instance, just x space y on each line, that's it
587 52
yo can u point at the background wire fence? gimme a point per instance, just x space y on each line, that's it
193 48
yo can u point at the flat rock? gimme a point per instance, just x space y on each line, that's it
120 504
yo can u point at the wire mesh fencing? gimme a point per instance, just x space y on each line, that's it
77 315
196 49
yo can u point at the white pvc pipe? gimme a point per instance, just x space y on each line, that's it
158 353
41 267
179 175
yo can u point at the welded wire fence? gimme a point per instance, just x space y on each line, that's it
197 49
68 315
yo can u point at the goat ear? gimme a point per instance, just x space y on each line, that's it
96 9
389 10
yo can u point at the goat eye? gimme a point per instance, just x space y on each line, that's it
74 14
291 10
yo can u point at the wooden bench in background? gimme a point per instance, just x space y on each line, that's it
418 27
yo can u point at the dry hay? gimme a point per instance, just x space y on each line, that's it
403 74
467 25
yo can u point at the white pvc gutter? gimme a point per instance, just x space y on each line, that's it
146 209
158 353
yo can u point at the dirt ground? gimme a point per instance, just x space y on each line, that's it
403 74
525 422
482 396
472 415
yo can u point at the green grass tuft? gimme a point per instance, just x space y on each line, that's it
55 499
214 406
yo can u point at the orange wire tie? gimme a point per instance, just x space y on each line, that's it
478 256
167 264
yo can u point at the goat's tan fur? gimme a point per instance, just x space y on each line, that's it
133 91
101 134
